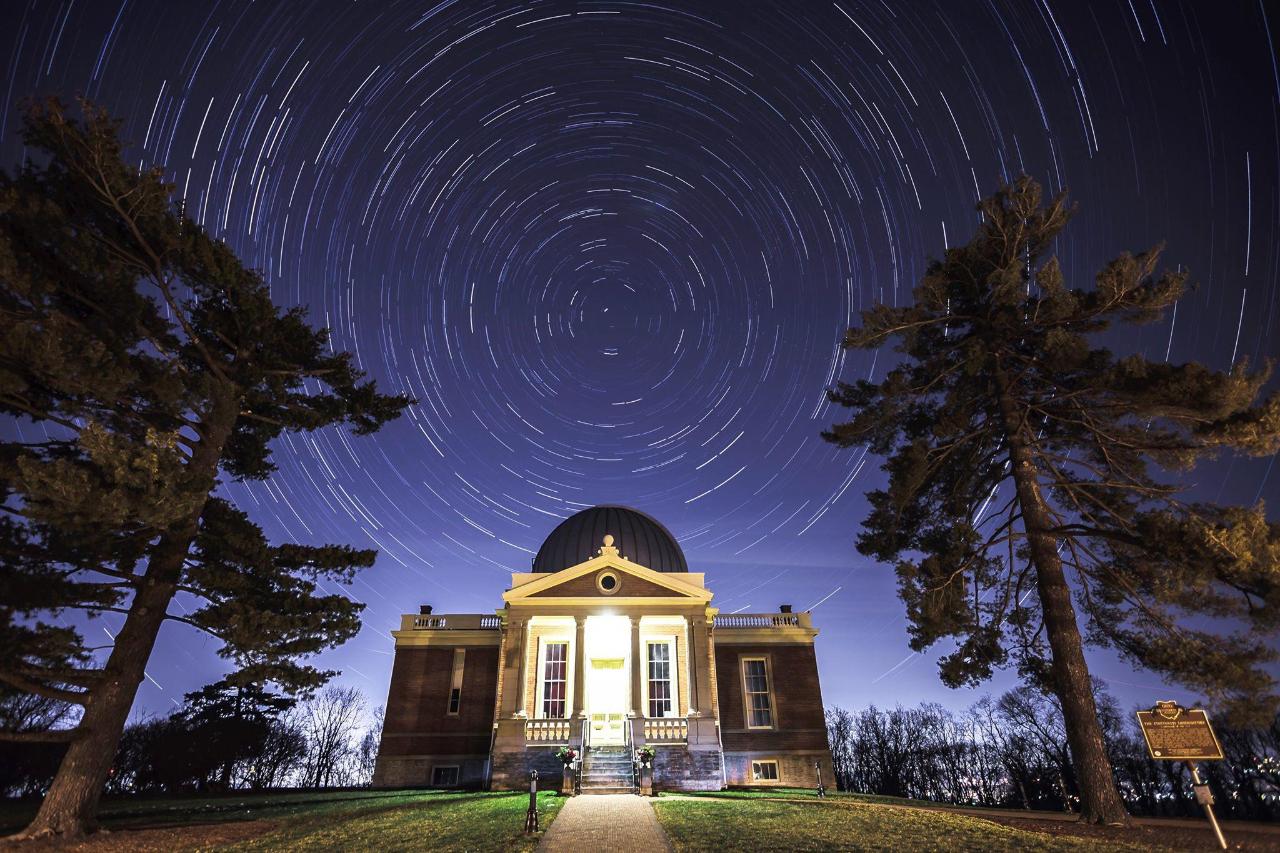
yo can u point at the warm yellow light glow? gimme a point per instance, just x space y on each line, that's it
608 636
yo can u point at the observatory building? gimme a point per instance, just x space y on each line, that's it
609 644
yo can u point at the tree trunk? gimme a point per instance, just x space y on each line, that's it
1099 800
69 808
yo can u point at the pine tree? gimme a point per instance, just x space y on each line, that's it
1028 465
229 722
139 361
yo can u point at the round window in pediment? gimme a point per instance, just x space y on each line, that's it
608 582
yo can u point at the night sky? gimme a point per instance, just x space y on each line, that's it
611 248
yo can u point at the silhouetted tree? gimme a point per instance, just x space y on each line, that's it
1018 452
153 361
279 756
367 752
28 761
231 723
330 722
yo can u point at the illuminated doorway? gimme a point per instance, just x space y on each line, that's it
607 644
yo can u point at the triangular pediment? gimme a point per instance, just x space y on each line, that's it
632 581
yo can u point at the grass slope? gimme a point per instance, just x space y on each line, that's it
446 821
761 823
322 820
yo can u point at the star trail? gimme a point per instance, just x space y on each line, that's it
611 248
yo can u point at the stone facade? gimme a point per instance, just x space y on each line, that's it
614 617
511 769
678 768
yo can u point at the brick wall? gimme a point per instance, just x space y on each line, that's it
511 770
795 769
630 586
676 768
418 731
797 698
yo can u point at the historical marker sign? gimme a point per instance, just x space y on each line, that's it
1175 733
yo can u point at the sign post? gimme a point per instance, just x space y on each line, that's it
1174 733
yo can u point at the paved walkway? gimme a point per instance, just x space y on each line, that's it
605 823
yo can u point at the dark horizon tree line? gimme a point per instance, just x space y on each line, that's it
1012 752
223 738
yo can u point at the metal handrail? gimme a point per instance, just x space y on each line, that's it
631 751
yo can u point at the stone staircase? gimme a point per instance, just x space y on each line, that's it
607 770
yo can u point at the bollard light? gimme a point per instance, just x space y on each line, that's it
531 816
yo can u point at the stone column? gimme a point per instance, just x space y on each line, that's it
508 767
700 660
702 728
579 710
637 691
522 641
580 668
513 663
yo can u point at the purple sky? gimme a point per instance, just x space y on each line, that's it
612 246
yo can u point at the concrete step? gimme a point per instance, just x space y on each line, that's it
608 790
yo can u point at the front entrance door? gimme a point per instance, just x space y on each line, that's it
606 700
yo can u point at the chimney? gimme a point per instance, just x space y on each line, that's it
424 610
786 608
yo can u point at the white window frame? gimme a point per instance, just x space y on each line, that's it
455 682
539 710
746 694
669 641
777 770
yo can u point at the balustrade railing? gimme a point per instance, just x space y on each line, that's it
758 620
660 730
547 731
458 622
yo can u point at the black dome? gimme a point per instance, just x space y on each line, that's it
637 537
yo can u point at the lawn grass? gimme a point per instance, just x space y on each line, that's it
763 822
448 821
139 811
807 794
316 820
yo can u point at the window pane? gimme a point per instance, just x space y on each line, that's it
553 680
756 681
659 679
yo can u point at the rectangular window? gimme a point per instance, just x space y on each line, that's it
764 771
444 777
455 681
553 680
755 691
660 679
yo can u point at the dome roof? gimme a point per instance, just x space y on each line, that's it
637 537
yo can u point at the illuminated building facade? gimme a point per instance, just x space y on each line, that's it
610 643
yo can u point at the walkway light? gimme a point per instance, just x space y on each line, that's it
531 816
